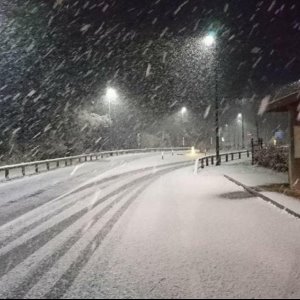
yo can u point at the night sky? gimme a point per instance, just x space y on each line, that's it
58 57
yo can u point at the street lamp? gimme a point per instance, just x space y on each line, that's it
210 41
241 120
111 96
183 112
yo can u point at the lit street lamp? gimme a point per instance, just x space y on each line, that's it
241 120
183 112
226 136
111 96
209 41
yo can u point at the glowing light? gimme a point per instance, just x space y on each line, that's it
193 151
209 40
111 94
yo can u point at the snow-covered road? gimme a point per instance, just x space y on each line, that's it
137 226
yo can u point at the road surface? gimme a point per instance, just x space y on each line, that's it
142 227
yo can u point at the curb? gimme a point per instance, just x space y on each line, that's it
263 197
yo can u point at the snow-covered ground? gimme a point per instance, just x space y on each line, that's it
23 194
143 227
255 176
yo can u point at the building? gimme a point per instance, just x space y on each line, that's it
290 104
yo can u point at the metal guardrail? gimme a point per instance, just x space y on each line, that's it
211 159
51 164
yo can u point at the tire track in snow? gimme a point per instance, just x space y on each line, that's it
48 262
28 217
15 213
15 229
28 228
67 279
15 278
114 177
37 216
11 261
62 285
16 255
11 236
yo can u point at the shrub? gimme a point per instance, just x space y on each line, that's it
272 158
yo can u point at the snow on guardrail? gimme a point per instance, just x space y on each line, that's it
70 160
206 160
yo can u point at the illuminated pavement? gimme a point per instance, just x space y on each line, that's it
136 228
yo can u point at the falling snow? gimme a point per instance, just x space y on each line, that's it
264 105
59 57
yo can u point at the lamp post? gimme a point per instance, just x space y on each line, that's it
241 120
111 96
183 112
227 140
210 41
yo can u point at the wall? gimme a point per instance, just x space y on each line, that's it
294 172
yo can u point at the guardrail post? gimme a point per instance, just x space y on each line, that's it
196 166
252 150
72 160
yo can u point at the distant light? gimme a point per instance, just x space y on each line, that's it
183 110
193 151
223 139
209 40
111 94
240 115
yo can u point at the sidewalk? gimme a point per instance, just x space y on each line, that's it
257 177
